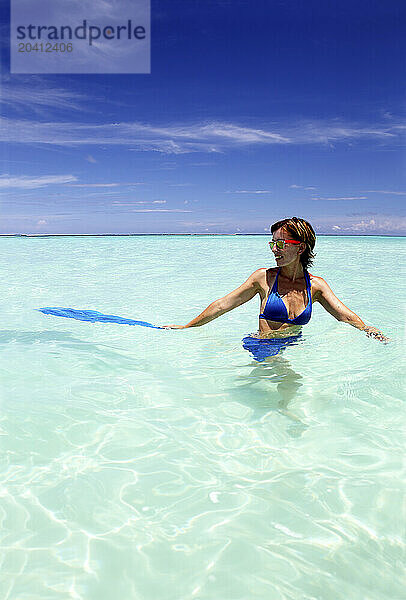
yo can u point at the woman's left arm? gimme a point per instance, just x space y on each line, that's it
329 301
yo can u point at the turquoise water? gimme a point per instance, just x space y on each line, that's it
145 464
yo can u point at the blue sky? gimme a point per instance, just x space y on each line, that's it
253 111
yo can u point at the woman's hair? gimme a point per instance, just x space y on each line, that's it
301 231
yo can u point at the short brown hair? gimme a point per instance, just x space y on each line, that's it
301 231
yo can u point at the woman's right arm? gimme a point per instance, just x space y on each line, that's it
239 296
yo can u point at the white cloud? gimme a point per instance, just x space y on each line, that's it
385 192
302 187
134 202
248 192
358 224
40 97
103 185
233 132
343 198
95 185
327 132
166 210
27 182
179 139
91 159
27 216
364 225
201 224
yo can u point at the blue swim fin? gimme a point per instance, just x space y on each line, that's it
92 316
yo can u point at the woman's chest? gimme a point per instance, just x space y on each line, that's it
284 301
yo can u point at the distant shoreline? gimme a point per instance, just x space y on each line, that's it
47 235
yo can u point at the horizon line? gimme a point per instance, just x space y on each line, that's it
335 234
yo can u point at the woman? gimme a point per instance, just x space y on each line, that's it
287 292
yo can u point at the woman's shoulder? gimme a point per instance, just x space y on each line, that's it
318 283
265 273
265 276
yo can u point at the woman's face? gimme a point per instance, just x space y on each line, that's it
290 253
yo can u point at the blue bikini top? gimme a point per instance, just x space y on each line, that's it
275 308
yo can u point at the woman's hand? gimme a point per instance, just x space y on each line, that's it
375 333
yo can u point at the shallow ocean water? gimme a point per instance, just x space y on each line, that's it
144 464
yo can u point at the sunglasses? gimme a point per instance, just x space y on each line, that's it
280 244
